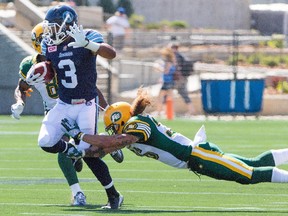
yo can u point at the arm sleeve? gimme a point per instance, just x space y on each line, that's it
138 128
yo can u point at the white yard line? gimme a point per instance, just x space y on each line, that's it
19 133
157 192
50 214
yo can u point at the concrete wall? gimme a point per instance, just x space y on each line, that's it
220 14
13 50
90 17
27 15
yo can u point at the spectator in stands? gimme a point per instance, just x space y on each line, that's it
117 27
181 79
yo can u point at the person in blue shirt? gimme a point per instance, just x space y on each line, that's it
167 66
72 51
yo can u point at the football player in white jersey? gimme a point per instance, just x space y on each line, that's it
49 95
145 136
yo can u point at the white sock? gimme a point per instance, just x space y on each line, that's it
75 188
279 176
280 156
109 185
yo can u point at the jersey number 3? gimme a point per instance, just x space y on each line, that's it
71 73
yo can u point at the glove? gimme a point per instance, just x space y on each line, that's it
78 35
33 79
72 129
17 109
28 91
200 136
72 152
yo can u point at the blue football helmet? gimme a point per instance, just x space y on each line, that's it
57 22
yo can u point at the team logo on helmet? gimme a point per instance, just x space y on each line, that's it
68 17
116 116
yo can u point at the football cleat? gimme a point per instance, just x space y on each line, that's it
77 164
118 156
114 202
79 199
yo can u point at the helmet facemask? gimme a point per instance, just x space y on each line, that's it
112 129
55 32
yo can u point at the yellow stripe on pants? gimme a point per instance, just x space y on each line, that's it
223 160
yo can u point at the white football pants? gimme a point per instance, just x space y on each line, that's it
84 115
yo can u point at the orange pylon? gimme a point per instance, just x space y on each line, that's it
169 108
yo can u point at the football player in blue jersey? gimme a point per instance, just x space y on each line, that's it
72 52
145 136
49 95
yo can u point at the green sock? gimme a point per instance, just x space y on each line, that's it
67 168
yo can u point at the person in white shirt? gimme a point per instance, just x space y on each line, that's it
117 26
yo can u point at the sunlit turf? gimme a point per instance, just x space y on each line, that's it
31 182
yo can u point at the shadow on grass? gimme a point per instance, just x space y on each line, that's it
131 210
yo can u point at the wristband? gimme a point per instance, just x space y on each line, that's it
94 47
88 41
106 107
80 136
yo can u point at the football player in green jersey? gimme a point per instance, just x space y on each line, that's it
49 95
145 136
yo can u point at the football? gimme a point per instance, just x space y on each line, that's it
45 70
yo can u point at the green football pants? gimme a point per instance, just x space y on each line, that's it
208 159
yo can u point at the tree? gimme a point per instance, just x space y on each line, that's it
107 5
127 5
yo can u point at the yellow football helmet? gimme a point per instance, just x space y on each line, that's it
36 37
116 116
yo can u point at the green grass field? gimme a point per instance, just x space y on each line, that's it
32 184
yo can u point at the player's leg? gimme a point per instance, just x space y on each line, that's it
49 138
208 159
101 171
69 172
86 122
268 158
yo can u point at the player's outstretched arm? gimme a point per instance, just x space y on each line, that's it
104 144
106 51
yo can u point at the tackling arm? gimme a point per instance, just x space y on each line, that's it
104 144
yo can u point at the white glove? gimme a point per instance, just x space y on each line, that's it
79 36
200 136
72 152
33 79
17 109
